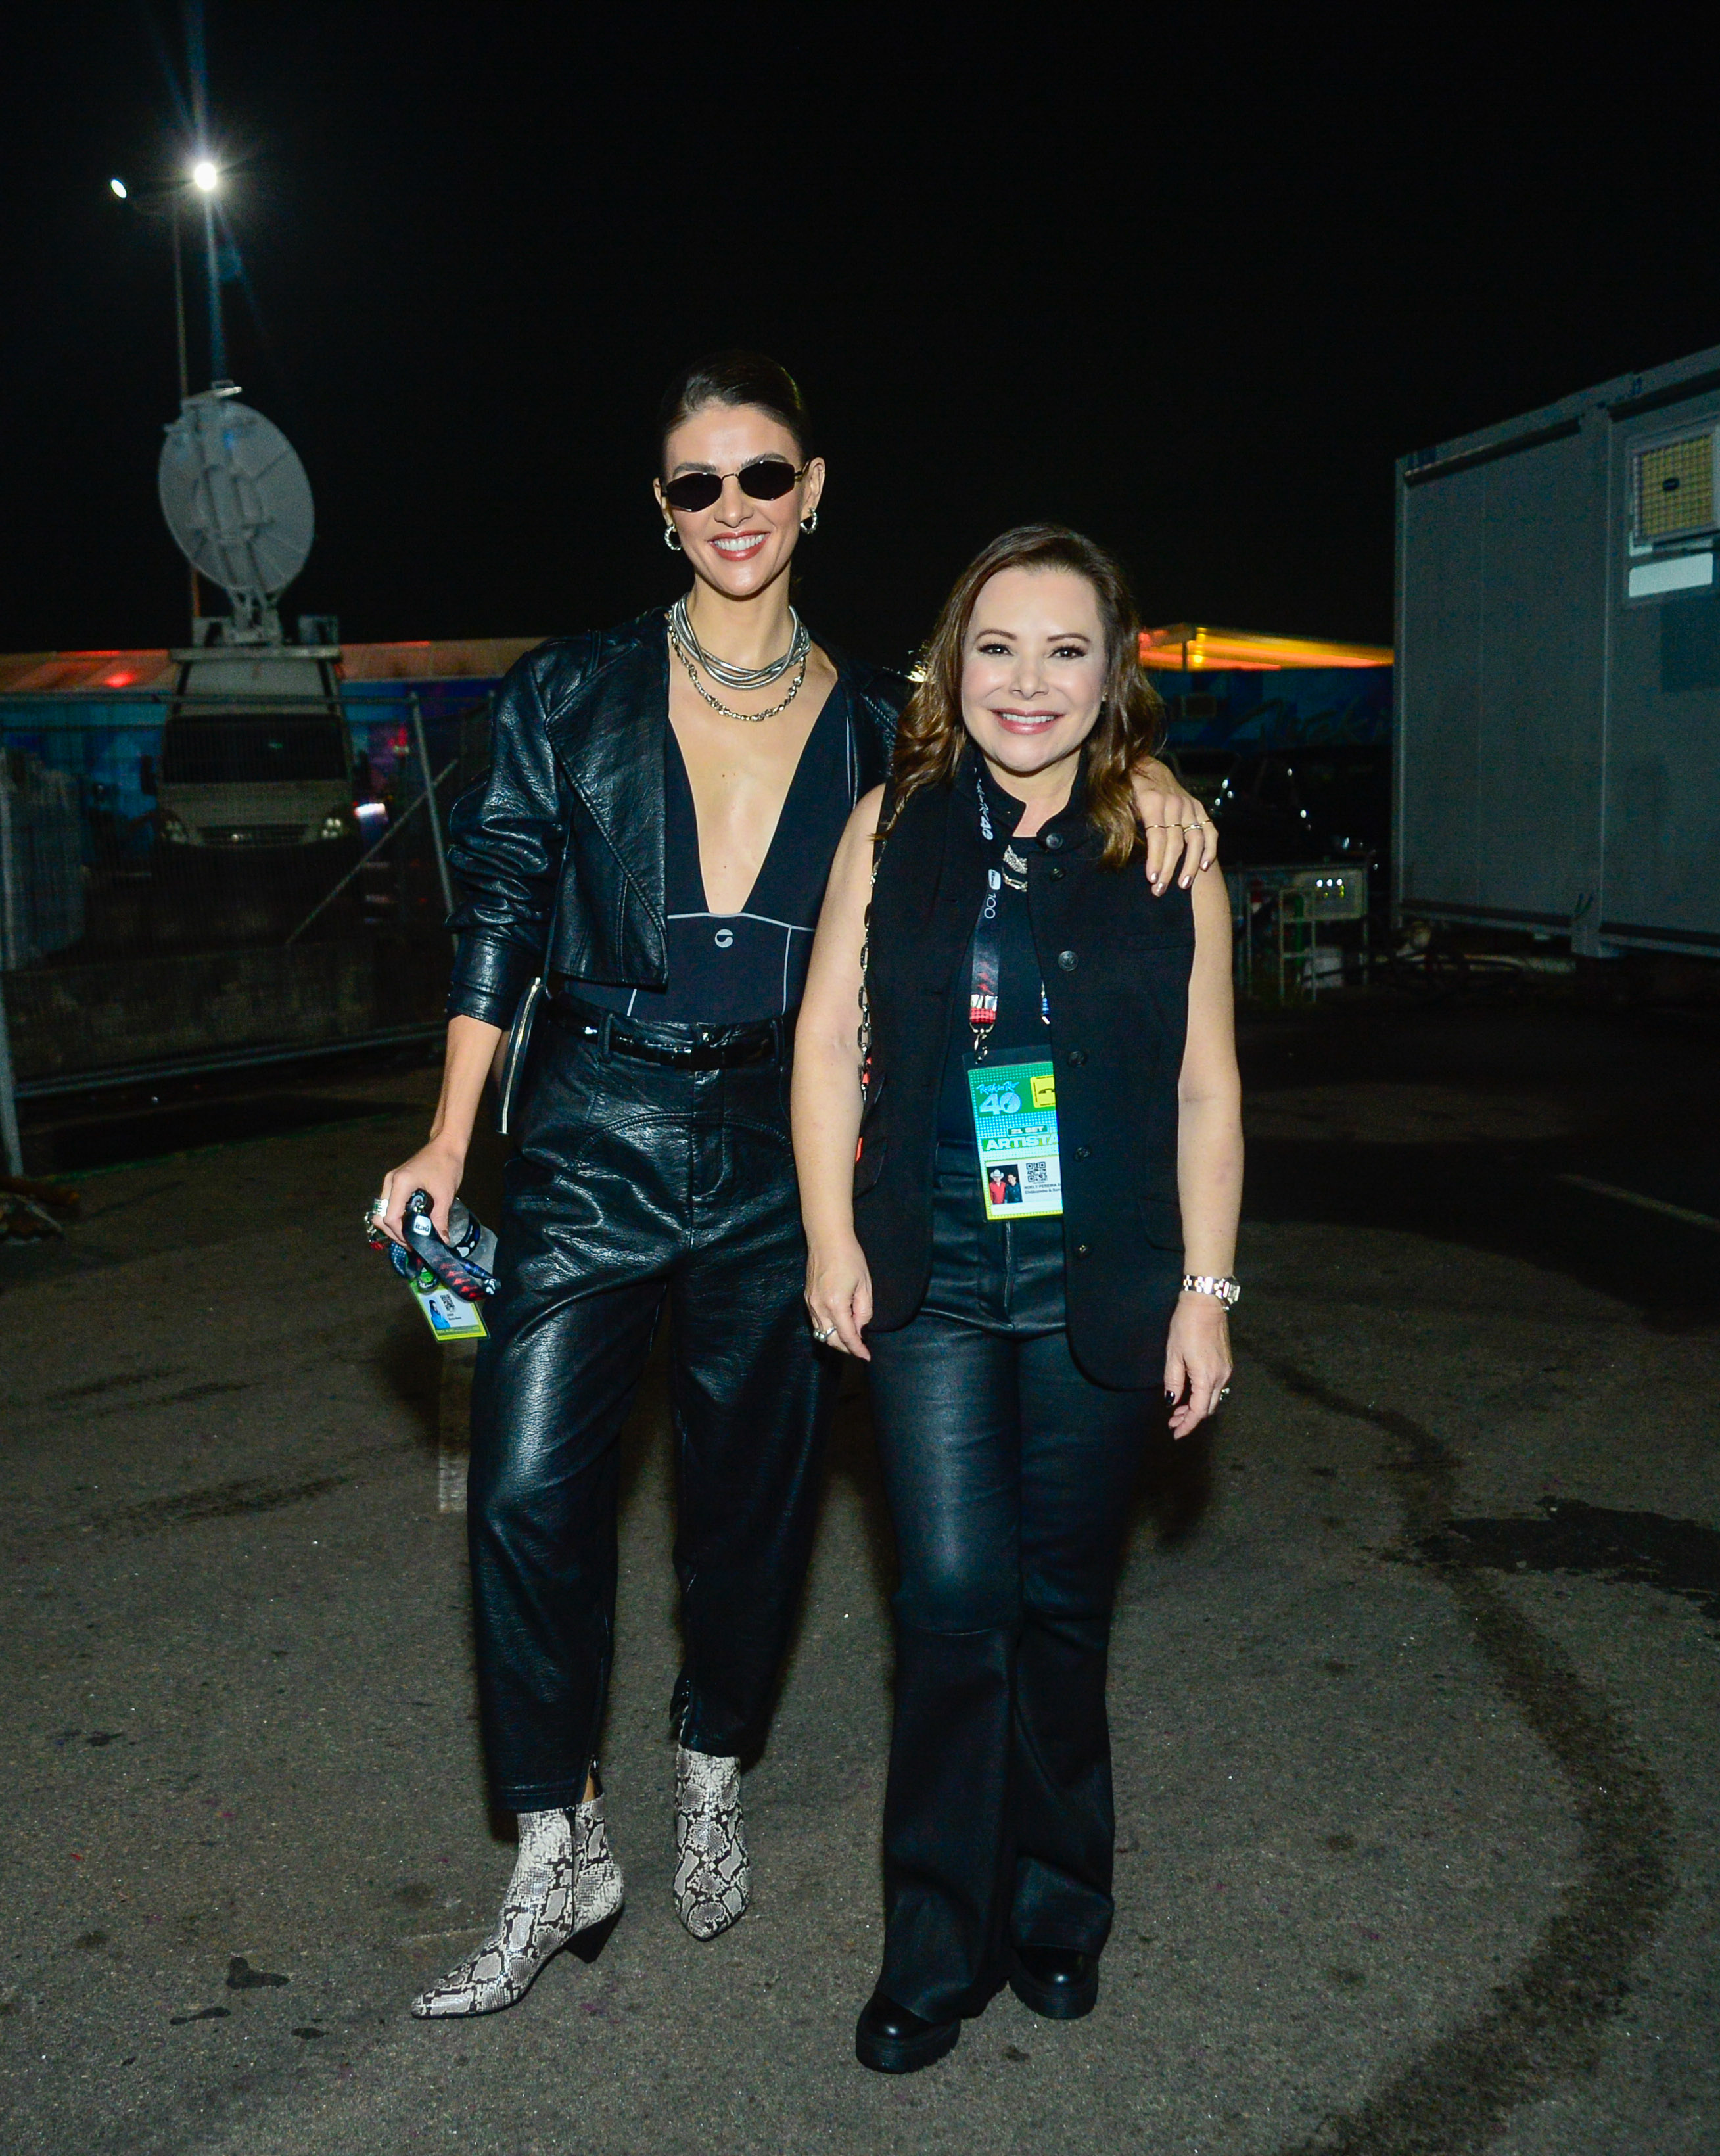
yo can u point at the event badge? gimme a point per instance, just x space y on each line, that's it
1015 1127
449 1315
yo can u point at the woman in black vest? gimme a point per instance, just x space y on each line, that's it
1030 1234
653 841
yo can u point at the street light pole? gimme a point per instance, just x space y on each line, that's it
179 307
196 597
217 340
205 177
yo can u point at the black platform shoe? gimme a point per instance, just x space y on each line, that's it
1055 1981
890 2041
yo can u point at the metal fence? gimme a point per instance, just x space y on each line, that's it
188 884
185 888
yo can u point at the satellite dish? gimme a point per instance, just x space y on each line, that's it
237 500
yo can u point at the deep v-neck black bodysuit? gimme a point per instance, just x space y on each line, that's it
734 968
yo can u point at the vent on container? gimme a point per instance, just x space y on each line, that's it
1672 491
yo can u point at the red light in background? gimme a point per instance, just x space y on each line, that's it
118 680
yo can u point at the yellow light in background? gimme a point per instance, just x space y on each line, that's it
1247 651
204 177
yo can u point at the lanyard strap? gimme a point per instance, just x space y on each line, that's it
983 979
982 984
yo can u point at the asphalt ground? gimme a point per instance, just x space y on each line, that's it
1413 1688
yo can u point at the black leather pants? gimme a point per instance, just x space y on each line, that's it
635 1187
1008 1474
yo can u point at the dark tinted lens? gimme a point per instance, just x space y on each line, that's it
769 480
694 491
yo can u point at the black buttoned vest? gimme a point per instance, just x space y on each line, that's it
1115 963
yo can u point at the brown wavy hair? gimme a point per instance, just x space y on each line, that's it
930 738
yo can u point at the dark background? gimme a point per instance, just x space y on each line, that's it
1190 281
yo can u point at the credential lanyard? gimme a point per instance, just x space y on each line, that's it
983 983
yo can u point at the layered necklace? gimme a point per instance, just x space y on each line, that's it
693 655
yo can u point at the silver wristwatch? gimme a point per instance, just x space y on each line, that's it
1227 1290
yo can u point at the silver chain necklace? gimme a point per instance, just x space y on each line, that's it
728 675
750 718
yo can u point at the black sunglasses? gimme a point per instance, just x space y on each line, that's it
766 479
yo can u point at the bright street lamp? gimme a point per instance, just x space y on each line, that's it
204 177
120 188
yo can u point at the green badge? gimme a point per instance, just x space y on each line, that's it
449 1315
1015 1129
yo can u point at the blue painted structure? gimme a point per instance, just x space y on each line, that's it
1288 707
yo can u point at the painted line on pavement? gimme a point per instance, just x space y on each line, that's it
451 1466
1648 1205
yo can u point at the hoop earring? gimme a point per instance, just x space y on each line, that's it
671 539
809 524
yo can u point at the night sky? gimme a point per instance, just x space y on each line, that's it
1188 281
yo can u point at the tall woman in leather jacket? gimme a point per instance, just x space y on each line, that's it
1036 1235
652 839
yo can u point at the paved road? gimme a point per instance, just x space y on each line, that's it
1418 1820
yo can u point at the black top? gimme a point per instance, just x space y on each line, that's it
734 968
1023 1028
1115 961
558 852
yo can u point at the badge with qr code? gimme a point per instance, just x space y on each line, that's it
449 1315
1015 1129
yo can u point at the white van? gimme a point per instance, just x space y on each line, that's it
256 758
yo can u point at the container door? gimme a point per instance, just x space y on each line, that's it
1499 670
1662 884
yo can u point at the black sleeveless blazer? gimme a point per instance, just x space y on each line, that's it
1116 962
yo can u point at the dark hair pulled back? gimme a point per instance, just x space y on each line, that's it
735 378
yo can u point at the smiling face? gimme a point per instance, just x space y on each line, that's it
1033 666
739 545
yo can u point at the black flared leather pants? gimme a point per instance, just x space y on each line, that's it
636 1188
1008 1474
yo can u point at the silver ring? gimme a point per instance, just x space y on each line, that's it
1224 1392
827 1334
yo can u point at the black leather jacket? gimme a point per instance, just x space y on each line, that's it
569 821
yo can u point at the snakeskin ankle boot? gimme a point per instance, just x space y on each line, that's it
711 1889
566 1891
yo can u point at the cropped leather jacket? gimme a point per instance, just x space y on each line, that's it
558 851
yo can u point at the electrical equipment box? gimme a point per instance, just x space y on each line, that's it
1331 894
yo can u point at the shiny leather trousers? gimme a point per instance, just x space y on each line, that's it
638 1188
1009 1474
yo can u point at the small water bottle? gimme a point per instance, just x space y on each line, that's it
470 1239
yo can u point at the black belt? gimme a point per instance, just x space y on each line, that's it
678 1047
